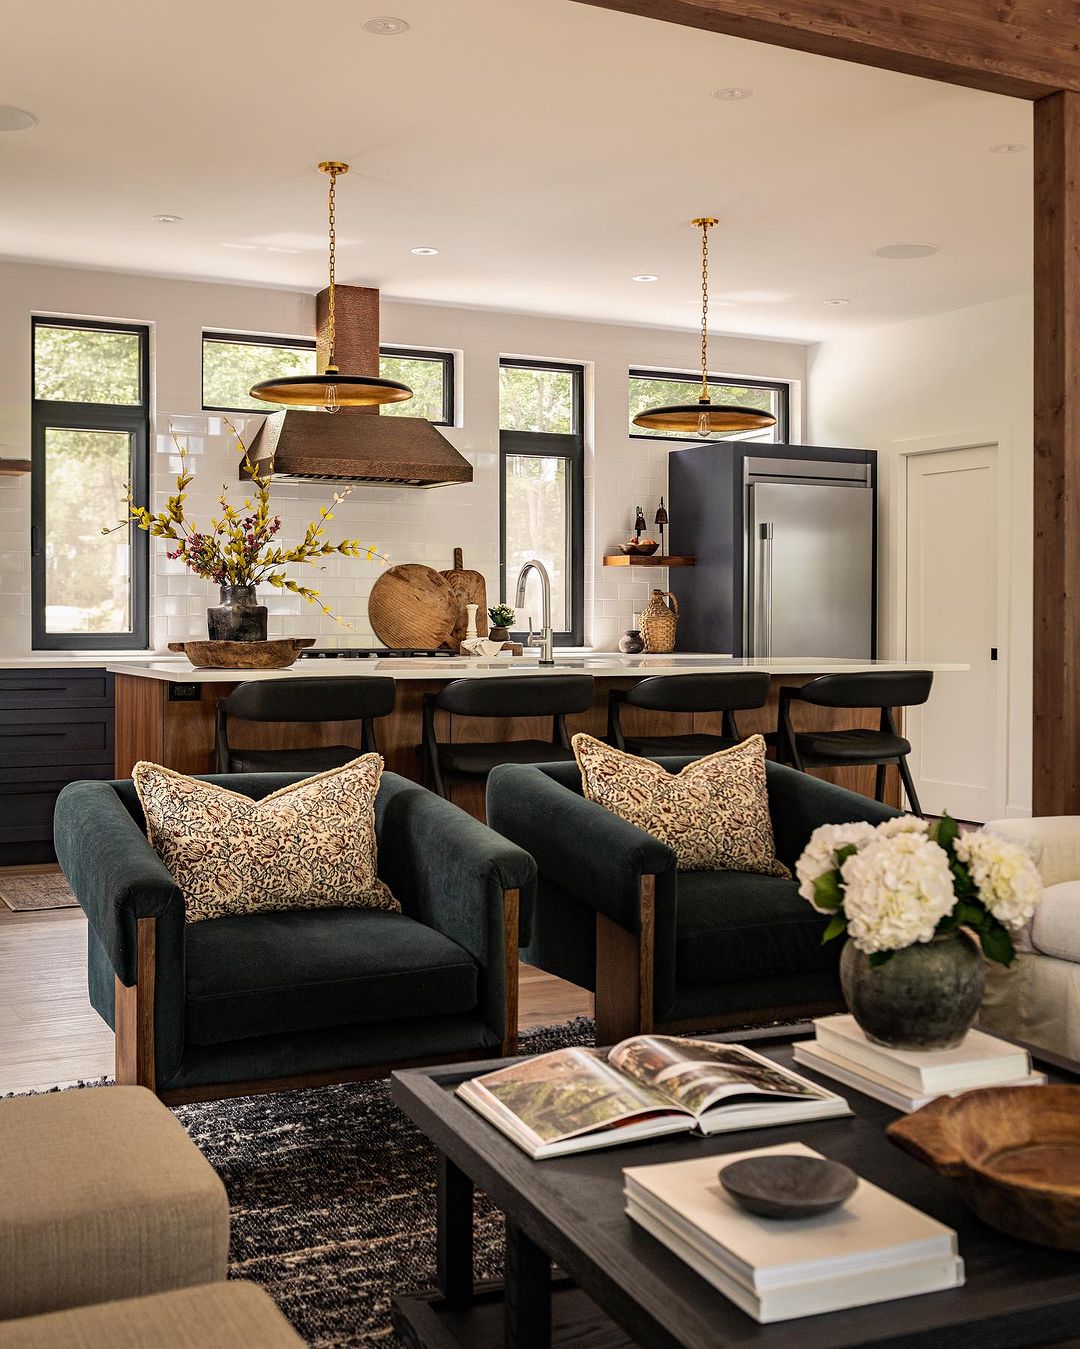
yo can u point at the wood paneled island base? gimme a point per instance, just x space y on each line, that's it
151 724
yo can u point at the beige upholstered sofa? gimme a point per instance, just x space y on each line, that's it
1038 997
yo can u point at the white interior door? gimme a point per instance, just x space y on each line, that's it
954 615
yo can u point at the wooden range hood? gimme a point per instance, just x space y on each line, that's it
356 444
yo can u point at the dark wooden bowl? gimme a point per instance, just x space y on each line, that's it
788 1186
638 549
1014 1152
278 654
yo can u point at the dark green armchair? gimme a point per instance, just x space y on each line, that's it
670 950
263 1002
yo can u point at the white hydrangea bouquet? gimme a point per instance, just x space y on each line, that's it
903 882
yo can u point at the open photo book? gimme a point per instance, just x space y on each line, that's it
575 1099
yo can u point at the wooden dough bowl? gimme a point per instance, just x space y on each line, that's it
277 654
1014 1152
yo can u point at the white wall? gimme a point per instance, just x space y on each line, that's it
954 374
408 524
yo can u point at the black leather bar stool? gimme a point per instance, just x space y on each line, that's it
551 696
299 700
728 692
883 689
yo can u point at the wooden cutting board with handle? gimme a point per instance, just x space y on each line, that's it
412 605
469 587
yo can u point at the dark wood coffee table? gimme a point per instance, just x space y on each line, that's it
619 1287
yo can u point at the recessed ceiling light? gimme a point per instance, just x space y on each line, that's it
838 299
1008 148
897 252
645 276
385 26
424 252
15 119
732 95
167 219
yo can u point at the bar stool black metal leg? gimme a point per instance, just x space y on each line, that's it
454 1234
909 786
528 1292
879 782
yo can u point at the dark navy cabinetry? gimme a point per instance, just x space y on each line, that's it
56 726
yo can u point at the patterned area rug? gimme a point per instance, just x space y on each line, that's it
332 1194
47 890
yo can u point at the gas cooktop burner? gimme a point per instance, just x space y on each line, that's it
369 652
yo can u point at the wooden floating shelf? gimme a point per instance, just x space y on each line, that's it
10 467
652 560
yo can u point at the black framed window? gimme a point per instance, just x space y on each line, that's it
542 488
430 375
90 438
233 362
662 388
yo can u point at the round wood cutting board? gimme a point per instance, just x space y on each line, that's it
412 605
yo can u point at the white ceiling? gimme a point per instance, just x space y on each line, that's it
550 150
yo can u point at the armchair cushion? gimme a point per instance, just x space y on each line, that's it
714 813
735 925
1053 841
1055 929
309 845
279 973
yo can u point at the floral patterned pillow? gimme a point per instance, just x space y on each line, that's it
714 814
308 846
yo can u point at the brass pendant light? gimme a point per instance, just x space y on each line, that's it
704 418
330 390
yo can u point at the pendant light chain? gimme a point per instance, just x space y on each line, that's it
705 310
331 365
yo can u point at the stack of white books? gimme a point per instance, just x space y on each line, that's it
908 1079
872 1249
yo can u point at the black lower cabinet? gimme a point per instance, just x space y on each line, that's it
56 727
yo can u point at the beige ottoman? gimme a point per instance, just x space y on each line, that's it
216 1316
104 1196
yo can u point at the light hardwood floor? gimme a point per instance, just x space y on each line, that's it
49 1033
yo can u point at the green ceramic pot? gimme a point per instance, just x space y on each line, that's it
925 997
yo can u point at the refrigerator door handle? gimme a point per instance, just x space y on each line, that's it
766 537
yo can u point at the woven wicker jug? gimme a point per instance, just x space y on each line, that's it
659 619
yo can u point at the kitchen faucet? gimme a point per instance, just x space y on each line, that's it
547 640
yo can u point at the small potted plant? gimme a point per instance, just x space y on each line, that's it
501 617
923 907
239 551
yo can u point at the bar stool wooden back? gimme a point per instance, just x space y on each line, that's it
517 696
301 700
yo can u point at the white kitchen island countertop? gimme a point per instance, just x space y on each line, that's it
610 665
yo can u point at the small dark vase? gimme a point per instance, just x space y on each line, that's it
238 618
499 634
631 643
925 997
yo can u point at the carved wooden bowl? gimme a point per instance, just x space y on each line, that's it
639 549
278 654
1014 1152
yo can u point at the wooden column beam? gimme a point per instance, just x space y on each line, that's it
1056 710
1025 48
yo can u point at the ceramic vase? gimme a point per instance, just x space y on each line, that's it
238 617
924 997
631 643
659 620
499 634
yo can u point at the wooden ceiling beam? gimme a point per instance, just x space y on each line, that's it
1024 48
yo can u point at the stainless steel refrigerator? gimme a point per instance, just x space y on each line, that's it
785 543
